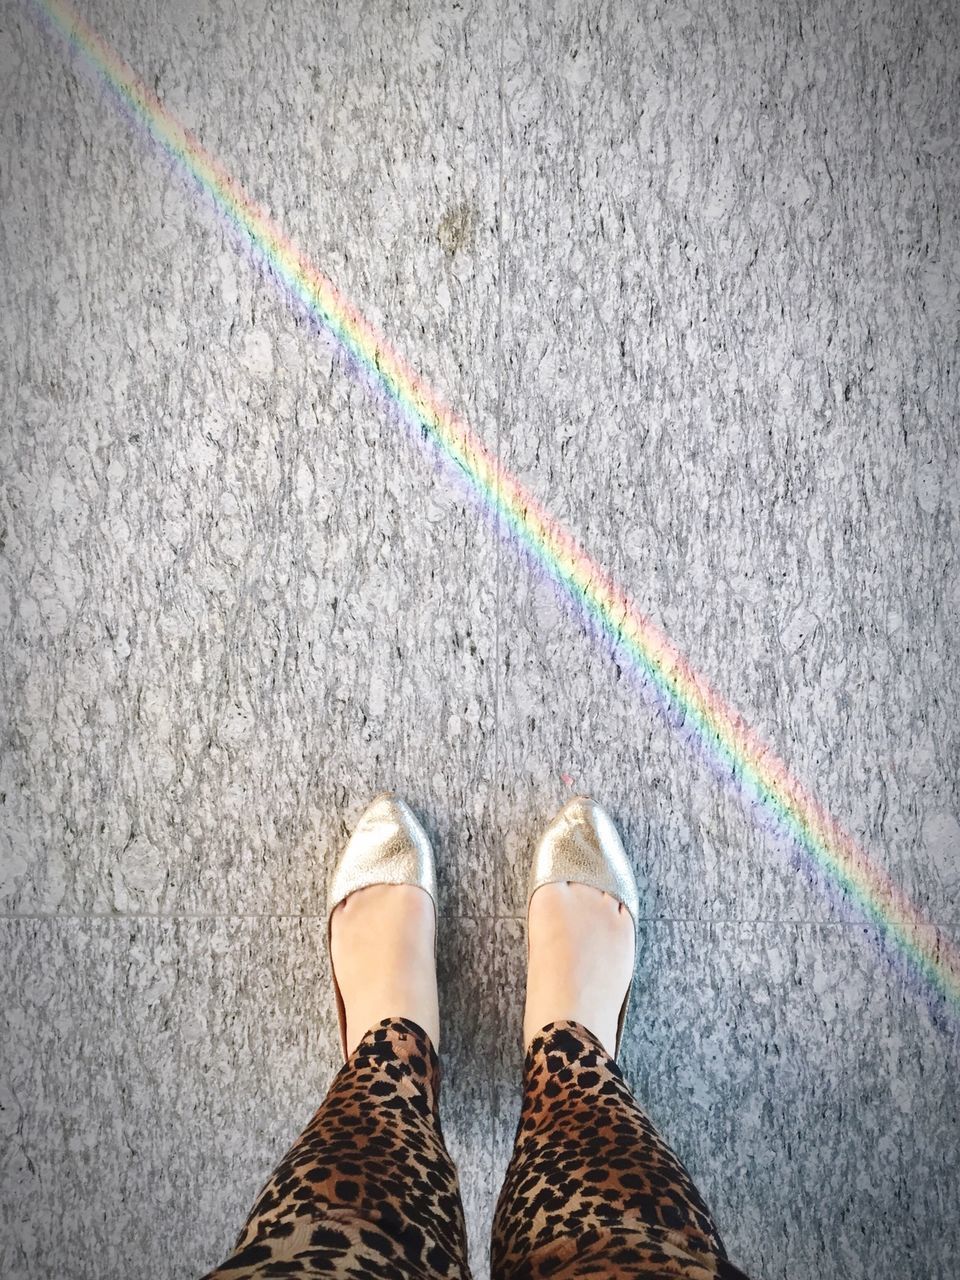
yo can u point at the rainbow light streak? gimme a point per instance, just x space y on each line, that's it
734 746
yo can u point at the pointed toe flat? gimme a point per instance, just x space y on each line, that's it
388 846
582 845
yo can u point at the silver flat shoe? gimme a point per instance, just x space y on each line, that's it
582 845
388 846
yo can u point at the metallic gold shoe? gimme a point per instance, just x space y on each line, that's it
388 846
581 845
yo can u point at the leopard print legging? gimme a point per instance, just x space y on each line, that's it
368 1189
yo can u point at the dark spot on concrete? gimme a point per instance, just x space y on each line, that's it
456 228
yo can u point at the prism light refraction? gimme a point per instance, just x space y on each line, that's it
722 732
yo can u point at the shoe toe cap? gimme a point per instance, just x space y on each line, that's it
388 846
582 844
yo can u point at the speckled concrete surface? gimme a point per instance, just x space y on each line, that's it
694 273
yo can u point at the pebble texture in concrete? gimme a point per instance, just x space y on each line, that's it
693 274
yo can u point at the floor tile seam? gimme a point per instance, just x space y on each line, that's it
200 915
493 918
498 548
498 356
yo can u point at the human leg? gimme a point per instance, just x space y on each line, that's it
592 1189
368 1189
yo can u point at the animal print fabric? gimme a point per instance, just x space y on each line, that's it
369 1190
592 1190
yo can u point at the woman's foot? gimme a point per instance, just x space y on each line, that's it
581 957
382 951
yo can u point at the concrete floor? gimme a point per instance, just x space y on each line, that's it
693 271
